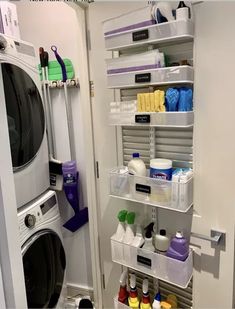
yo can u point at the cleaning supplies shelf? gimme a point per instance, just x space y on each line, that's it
159 266
160 76
166 119
177 196
178 31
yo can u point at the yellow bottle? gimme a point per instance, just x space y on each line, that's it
145 302
133 299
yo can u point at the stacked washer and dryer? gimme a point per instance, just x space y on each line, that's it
38 214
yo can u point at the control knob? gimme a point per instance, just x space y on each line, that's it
30 221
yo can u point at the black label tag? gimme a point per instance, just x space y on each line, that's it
140 35
142 118
143 78
143 260
143 188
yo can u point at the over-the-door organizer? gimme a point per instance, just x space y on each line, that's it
140 70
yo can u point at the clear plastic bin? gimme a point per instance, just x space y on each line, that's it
159 266
177 196
161 76
118 305
177 31
170 119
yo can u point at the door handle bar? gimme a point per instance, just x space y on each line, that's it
216 238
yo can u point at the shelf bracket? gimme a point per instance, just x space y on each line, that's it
217 238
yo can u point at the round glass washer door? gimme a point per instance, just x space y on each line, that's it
44 268
25 114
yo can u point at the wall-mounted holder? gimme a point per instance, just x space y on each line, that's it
217 238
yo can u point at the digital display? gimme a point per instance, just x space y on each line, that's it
45 207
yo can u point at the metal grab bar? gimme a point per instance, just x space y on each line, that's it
216 238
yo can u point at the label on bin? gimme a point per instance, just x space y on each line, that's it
143 260
143 78
142 118
143 188
140 35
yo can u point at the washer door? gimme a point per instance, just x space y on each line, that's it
44 268
26 122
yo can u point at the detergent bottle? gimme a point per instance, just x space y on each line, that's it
133 299
145 302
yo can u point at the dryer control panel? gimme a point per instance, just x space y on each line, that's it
41 211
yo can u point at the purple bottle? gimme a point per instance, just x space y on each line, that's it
179 248
70 175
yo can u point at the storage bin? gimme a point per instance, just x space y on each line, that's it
143 61
177 31
131 20
159 266
166 119
176 196
159 76
118 305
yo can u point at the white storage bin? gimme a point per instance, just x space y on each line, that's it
166 119
156 265
118 305
131 20
177 31
160 76
133 63
156 192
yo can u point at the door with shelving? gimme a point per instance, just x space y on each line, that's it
198 145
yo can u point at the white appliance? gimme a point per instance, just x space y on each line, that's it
43 252
26 119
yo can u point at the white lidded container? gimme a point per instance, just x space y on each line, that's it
161 169
161 241
137 166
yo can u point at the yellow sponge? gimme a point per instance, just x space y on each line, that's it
162 107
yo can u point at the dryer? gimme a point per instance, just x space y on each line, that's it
43 252
19 79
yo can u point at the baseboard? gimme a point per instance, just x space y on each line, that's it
75 290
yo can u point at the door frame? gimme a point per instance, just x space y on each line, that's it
84 80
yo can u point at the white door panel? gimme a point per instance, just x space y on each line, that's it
214 152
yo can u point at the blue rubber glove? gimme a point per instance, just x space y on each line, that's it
185 99
172 98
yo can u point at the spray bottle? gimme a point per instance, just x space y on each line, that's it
118 236
145 302
123 294
148 241
133 299
129 235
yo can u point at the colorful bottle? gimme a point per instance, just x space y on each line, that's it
157 301
179 248
145 302
133 299
148 241
137 166
123 294
129 234
119 235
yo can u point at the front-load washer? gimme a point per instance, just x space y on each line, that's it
19 81
43 252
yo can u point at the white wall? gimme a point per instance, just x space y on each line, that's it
45 24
